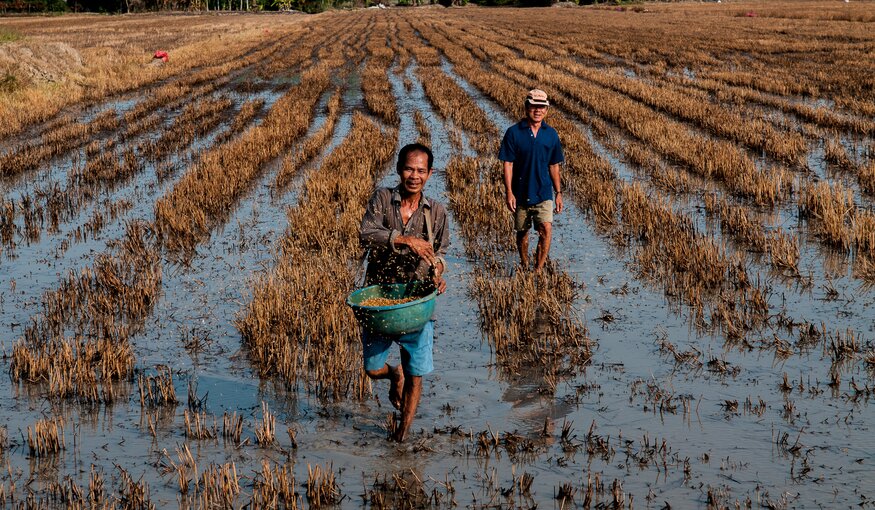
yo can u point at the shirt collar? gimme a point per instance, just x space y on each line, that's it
524 124
396 197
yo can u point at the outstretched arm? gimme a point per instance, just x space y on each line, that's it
557 186
508 186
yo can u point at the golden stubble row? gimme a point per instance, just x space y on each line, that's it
691 266
214 485
402 54
834 218
527 317
589 176
60 137
695 62
105 166
595 170
786 146
29 155
754 131
245 115
203 197
196 120
663 257
862 167
737 221
716 159
821 116
102 305
779 178
297 326
115 69
379 96
312 145
744 227
453 103
199 200
783 249
777 56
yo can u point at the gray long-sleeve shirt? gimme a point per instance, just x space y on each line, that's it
382 224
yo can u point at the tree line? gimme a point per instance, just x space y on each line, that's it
310 6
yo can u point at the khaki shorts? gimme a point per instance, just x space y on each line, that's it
539 213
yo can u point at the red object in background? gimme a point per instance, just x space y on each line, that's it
750 14
162 55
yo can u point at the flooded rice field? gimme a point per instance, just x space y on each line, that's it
175 254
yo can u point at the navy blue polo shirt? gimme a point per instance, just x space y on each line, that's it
531 157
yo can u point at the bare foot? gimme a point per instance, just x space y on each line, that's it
396 386
399 435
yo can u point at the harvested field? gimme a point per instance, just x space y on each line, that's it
177 242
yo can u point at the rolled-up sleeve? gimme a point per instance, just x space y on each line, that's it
441 234
506 151
374 233
556 155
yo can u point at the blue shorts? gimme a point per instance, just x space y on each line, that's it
416 350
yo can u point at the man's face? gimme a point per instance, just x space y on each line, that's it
415 172
535 113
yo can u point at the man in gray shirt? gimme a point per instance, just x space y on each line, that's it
407 235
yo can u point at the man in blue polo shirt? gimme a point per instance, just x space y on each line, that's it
531 152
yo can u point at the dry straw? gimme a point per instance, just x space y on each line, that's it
297 325
157 390
311 146
527 318
201 54
46 437
378 96
275 485
203 196
105 303
662 256
245 115
830 209
322 488
265 430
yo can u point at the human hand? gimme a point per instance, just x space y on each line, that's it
420 247
559 206
511 202
440 284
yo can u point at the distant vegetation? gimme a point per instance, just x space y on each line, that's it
7 35
310 6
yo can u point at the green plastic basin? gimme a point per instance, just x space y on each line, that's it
395 319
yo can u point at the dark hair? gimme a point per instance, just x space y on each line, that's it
413 147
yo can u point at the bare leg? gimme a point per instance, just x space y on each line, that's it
522 245
396 381
412 393
545 233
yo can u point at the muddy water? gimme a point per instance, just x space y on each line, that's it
58 252
827 458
